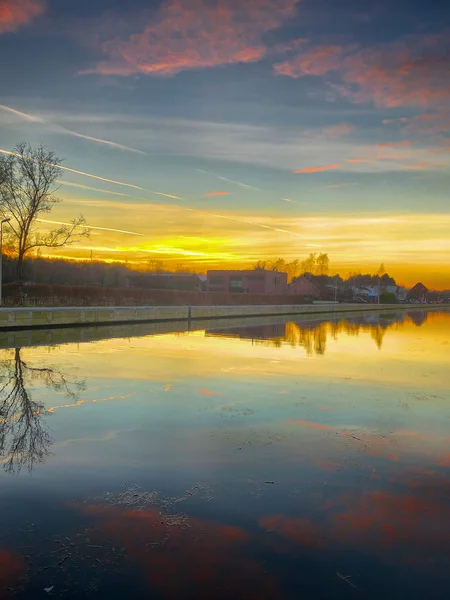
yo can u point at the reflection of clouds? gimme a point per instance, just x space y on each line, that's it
399 525
12 568
178 555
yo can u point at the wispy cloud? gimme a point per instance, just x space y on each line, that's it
339 130
59 129
401 144
239 183
340 185
429 123
318 169
211 194
16 13
194 35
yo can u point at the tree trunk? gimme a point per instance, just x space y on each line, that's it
20 277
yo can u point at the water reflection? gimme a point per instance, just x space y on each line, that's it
24 436
312 334
205 462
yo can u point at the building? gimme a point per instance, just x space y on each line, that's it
418 293
303 287
257 281
370 293
166 281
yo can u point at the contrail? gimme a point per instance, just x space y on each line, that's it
91 227
29 117
88 187
98 140
20 114
195 210
244 185
115 182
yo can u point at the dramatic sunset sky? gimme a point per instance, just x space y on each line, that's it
220 132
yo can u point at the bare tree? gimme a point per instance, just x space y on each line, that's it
28 187
259 265
24 436
309 265
381 270
323 264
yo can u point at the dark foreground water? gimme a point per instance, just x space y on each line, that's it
268 461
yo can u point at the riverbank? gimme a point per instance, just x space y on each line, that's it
47 318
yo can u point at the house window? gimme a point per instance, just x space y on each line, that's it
236 285
216 280
277 279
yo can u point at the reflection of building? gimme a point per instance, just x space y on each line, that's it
304 287
257 281
418 316
254 332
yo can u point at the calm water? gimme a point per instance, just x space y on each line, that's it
268 460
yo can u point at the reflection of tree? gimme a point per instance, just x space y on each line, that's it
24 436
312 336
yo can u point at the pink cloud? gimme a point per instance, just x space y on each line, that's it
316 61
338 130
318 169
411 72
15 13
196 34
211 194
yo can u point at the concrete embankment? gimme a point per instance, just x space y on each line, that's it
46 318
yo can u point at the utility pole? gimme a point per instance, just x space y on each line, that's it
1 257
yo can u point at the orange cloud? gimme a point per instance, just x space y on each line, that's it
196 34
204 392
357 160
411 72
211 194
309 424
318 169
15 13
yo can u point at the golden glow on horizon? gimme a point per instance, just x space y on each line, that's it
412 246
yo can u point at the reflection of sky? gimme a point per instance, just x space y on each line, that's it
354 438
209 127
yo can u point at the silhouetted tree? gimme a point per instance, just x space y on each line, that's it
28 184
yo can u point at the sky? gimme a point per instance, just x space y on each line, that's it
215 133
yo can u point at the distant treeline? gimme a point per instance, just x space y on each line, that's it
67 272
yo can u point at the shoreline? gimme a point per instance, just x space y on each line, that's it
56 318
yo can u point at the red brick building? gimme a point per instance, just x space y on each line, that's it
257 281
304 287
419 292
